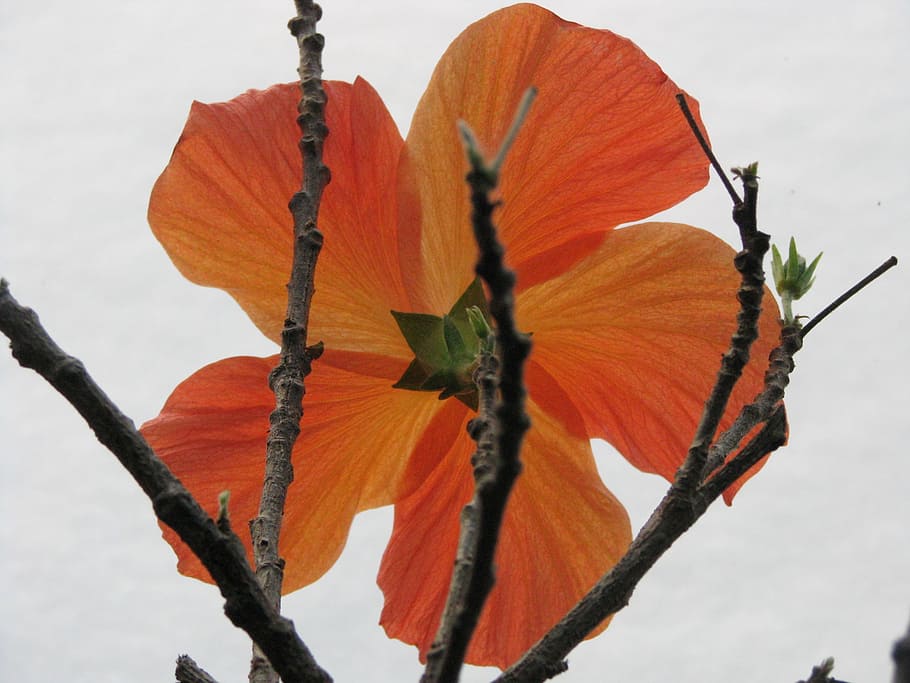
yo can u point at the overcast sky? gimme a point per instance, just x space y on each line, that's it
812 560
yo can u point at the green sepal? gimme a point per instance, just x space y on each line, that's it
456 344
473 296
469 398
423 333
413 378
441 379
446 348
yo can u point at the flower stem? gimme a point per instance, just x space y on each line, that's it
786 301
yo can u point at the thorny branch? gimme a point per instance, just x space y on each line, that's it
219 549
287 380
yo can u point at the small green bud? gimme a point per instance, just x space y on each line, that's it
749 172
223 499
792 278
455 343
481 328
478 322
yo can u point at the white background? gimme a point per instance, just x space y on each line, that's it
812 560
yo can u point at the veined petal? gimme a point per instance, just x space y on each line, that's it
356 435
221 211
562 530
604 144
633 336
359 274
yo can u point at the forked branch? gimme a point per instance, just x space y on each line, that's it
499 428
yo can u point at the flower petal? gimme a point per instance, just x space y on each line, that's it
351 455
220 210
633 337
604 144
561 532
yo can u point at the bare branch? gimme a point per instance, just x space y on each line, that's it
287 380
495 468
900 653
453 630
834 305
692 492
217 547
673 517
821 673
749 264
762 408
706 148
188 671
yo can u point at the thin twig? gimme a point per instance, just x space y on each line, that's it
219 549
692 491
287 379
900 653
777 377
687 499
495 469
761 407
706 148
834 305
674 516
752 279
820 673
482 429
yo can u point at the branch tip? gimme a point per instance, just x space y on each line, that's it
846 296
706 148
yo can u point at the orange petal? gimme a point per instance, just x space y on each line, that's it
221 210
561 532
633 337
359 274
356 435
604 144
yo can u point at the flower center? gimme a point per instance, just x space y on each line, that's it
446 349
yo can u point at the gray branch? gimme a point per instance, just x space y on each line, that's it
219 549
287 379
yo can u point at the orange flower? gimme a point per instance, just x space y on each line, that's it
628 324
